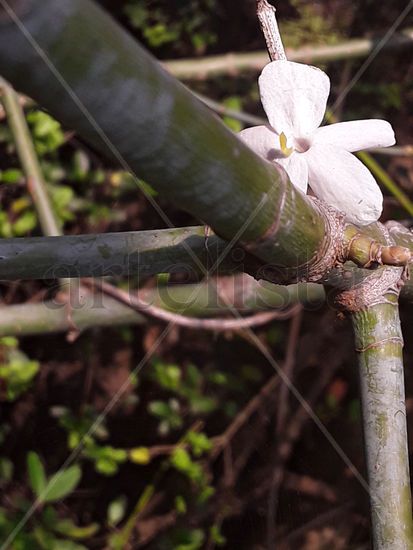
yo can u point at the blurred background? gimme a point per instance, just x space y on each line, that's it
202 448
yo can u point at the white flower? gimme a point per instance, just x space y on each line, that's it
294 96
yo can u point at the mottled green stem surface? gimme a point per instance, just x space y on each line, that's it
97 80
141 253
379 345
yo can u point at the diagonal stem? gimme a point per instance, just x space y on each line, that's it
28 158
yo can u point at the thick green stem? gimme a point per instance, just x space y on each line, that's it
143 253
97 80
379 346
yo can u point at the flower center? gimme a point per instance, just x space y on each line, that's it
301 145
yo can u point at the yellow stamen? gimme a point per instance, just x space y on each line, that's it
283 144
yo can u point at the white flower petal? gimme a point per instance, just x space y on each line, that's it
294 97
340 179
356 135
296 167
263 140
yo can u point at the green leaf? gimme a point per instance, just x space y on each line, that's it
6 470
180 504
62 483
47 132
37 474
182 461
106 458
167 376
18 374
25 223
159 35
189 539
106 466
205 494
168 413
234 103
68 528
9 342
199 442
116 511
159 408
216 535
202 405
45 539
12 175
5 225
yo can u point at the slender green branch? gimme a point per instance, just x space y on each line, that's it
202 300
233 63
395 151
379 346
28 158
34 176
386 181
222 110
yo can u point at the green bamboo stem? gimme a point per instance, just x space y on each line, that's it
146 253
28 158
97 80
233 63
379 344
99 310
141 253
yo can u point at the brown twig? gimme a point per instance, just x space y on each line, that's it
309 486
138 304
321 519
299 483
234 63
288 369
245 414
269 27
